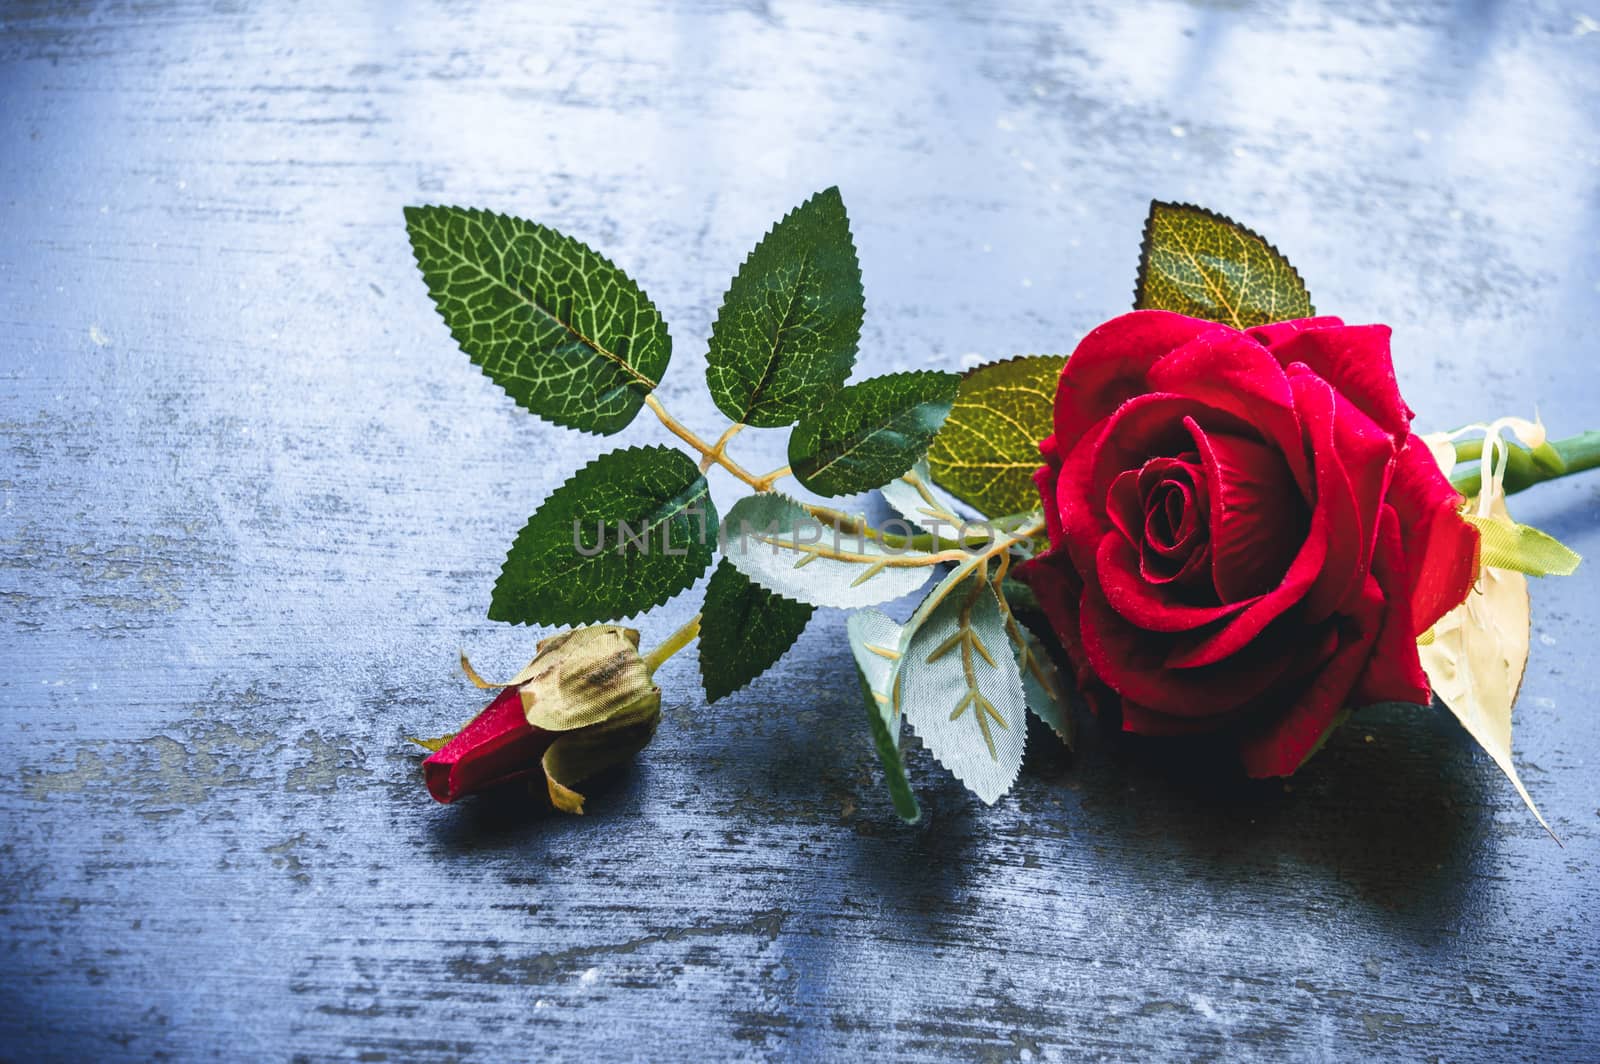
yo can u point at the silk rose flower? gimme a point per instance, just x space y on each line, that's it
1245 535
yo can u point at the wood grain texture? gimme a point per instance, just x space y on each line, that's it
252 500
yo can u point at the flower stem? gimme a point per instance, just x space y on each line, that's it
674 643
710 453
1524 468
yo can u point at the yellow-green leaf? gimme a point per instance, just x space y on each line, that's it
1203 264
988 449
1508 545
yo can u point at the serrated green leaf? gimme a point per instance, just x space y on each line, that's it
959 687
744 630
988 450
627 532
871 432
1196 262
565 332
1522 548
875 642
1041 684
786 336
771 539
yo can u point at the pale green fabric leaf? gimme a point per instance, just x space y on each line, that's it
915 497
1041 684
771 539
959 687
875 642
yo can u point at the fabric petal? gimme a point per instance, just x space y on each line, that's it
1156 607
1441 548
1278 332
1258 520
1125 506
1355 359
1107 368
1229 371
1130 660
1354 459
1394 671
1058 588
1142 720
1282 741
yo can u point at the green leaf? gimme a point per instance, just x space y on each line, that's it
786 336
1041 684
875 641
771 539
871 432
958 686
1523 548
1202 264
627 532
567 334
988 450
744 630
914 496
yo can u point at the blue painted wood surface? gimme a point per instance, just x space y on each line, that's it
252 500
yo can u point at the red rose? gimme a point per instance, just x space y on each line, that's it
1245 535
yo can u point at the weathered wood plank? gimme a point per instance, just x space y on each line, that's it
251 502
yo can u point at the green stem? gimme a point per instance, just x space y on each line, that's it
978 533
1524 469
675 642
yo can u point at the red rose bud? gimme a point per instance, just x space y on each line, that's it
585 703
499 745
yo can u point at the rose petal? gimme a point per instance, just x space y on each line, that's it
1147 427
496 746
1354 458
1109 364
1044 478
1280 331
1157 607
1201 649
1394 671
1230 372
1441 548
1258 520
1125 506
1142 720
1355 359
1131 660
1283 740
1058 588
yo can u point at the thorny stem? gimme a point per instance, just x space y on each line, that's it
720 448
766 480
674 643
717 454
710 454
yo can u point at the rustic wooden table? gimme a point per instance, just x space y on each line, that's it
254 500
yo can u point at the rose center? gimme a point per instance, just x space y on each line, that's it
1162 509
